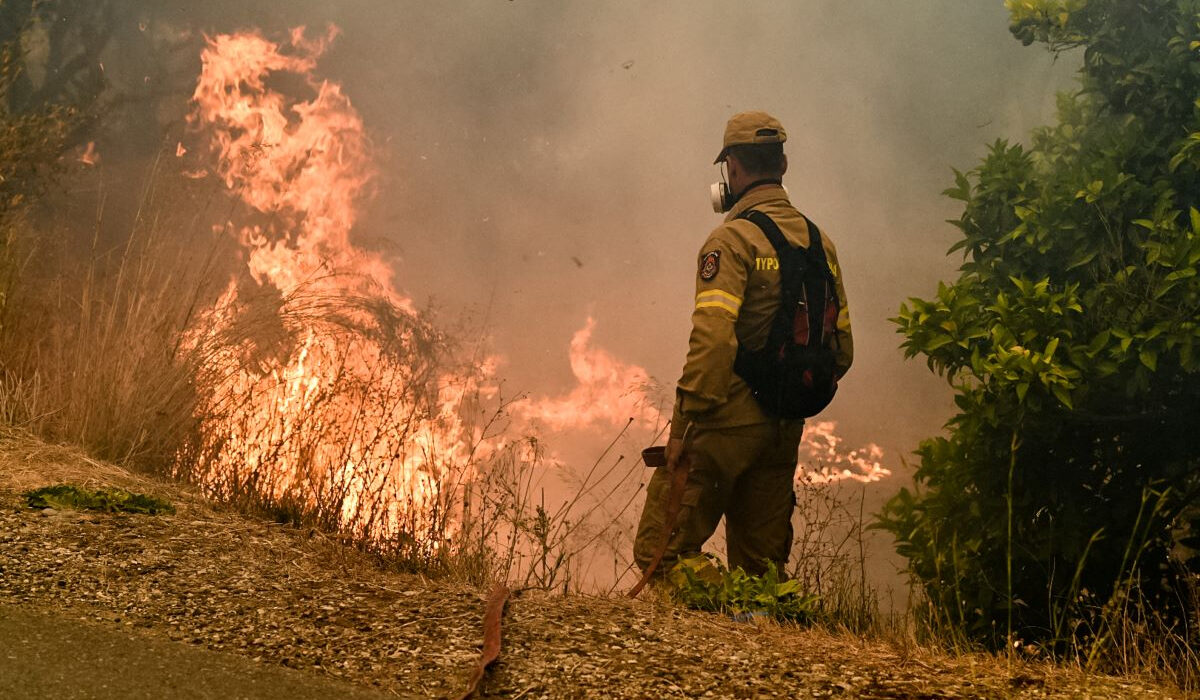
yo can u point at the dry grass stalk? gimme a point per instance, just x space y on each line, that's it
119 353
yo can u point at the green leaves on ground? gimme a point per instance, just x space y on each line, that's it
711 586
109 500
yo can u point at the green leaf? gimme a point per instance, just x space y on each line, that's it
1078 249
937 342
1149 358
1062 394
112 500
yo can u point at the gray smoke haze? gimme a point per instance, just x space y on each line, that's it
523 136
542 162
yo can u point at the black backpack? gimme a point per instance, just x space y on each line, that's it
793 375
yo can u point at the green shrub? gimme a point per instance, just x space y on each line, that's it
734 592
1072 343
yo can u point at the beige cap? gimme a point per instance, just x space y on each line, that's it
751 127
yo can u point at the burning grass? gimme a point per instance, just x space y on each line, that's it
324 407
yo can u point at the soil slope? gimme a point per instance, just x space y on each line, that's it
280 596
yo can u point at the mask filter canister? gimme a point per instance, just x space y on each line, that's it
722 198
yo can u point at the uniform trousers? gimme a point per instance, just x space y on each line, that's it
746 474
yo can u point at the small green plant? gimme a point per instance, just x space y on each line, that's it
109 500
708 585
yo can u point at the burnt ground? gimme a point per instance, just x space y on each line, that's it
211 578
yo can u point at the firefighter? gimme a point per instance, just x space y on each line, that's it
742 459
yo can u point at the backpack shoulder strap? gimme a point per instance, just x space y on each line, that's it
764 222
816 247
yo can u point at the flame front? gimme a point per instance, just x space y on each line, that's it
322 387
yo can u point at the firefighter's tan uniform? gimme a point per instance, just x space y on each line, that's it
743 460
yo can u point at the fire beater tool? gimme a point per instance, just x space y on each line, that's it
657 457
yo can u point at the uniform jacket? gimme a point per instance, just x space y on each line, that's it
737 295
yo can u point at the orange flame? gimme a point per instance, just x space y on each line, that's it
88 155
823 460
305 162
608 392
340 409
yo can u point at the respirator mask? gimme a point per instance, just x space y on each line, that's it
722 197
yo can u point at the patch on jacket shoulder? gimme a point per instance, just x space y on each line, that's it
710 264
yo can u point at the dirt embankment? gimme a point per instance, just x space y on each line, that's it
210 577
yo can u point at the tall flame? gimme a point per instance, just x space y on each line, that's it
343 400
305 162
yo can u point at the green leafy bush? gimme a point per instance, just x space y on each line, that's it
710 586
109 500
1071 340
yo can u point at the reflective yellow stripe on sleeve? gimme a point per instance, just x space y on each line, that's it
716 298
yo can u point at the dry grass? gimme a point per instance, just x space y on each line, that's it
1130 635
28 462
90 351
829 555
1128 639
292 596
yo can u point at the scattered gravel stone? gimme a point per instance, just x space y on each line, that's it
297 598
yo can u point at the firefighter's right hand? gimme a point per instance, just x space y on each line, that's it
674 453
